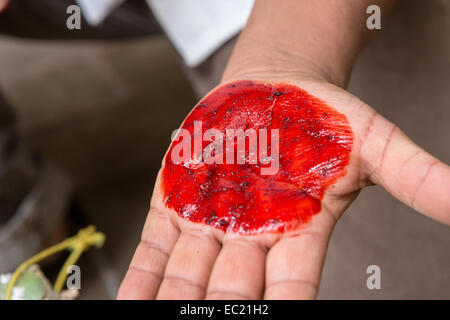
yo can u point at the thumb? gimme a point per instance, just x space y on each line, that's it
406 171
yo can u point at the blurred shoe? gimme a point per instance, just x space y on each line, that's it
37 220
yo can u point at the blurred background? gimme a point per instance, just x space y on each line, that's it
104 112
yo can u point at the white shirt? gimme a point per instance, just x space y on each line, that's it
195 27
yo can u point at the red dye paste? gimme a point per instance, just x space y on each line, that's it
315 142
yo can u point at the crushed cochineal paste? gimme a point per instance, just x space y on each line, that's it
314 148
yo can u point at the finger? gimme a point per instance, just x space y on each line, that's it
190 266
409 173
294 263
239 270
146 270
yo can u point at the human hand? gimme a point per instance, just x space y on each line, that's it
311 45
181 259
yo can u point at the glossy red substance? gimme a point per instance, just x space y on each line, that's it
315 142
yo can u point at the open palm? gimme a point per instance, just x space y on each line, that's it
178 259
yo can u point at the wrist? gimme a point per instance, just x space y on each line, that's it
254 59
316 39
